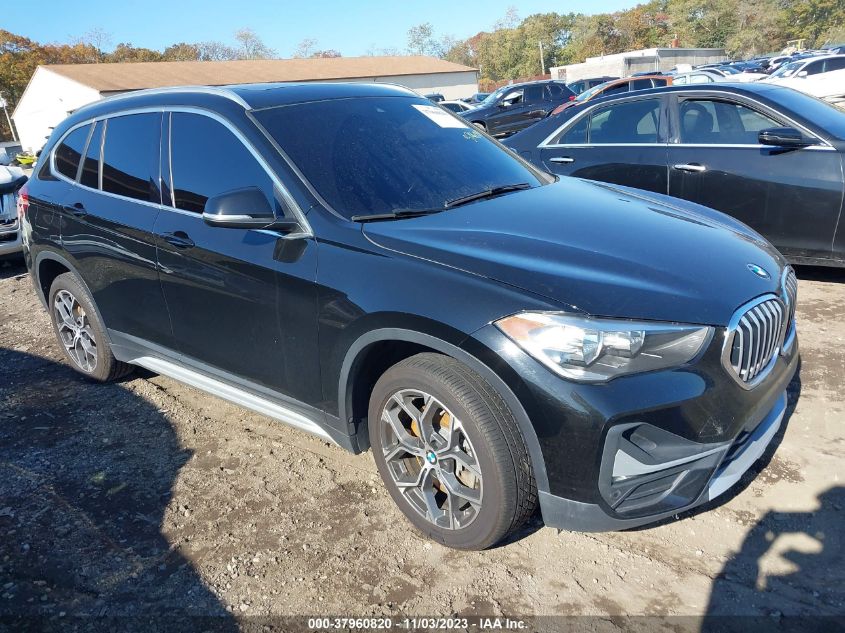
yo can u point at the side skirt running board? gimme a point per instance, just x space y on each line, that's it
232 394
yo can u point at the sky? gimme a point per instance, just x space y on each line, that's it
353 28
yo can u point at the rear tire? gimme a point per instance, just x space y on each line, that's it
450 452
80 332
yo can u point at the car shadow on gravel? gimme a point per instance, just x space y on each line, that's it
86 473
11 267
787 573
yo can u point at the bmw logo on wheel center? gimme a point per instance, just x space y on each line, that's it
759 271
431 457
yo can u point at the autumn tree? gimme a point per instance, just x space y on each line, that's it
251 46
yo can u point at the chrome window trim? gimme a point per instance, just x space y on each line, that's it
730 331
547 142
699 93
596 145
285 193
816 148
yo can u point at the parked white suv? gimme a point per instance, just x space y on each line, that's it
822 76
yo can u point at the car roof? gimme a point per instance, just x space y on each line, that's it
247 96
531 83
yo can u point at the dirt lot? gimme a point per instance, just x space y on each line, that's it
149 496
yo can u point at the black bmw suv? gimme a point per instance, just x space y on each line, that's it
497 337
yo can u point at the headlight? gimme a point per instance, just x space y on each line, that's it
596 350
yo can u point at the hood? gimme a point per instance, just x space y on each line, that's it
602 249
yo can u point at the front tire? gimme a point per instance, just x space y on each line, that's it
450 452
81 334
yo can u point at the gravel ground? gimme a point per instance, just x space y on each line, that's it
148 497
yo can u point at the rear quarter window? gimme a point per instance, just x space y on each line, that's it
69 152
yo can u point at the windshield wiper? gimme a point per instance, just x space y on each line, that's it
396 213
456 202
487 193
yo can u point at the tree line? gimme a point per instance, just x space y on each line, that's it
745 28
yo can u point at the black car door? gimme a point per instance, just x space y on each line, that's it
536 104
792 197
509 111
107 224
242 302
622 142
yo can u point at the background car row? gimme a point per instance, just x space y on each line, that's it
768 156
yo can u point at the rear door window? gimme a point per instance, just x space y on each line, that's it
69 152
207 159
130 156
629 122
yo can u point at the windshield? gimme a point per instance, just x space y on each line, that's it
383 154
494 96
787 69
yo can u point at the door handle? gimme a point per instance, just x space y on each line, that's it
693 168
77 209
561 159
178 239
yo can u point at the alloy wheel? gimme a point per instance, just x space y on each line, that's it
431 459
74 330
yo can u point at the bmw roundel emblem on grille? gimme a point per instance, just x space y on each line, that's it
759 271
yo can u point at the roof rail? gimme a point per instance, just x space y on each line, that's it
221 91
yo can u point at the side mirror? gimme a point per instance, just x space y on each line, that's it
783 137
246 208
503 104
802 74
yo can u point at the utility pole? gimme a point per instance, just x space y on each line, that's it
542 59
11 127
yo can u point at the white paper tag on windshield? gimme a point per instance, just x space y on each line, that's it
441 117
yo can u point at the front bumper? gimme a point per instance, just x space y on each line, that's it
731 462
642 447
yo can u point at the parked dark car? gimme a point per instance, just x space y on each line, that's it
435 97
581 85
767 155
615 86
497 336
478 97
513 108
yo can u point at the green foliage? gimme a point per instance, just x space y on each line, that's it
743 27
